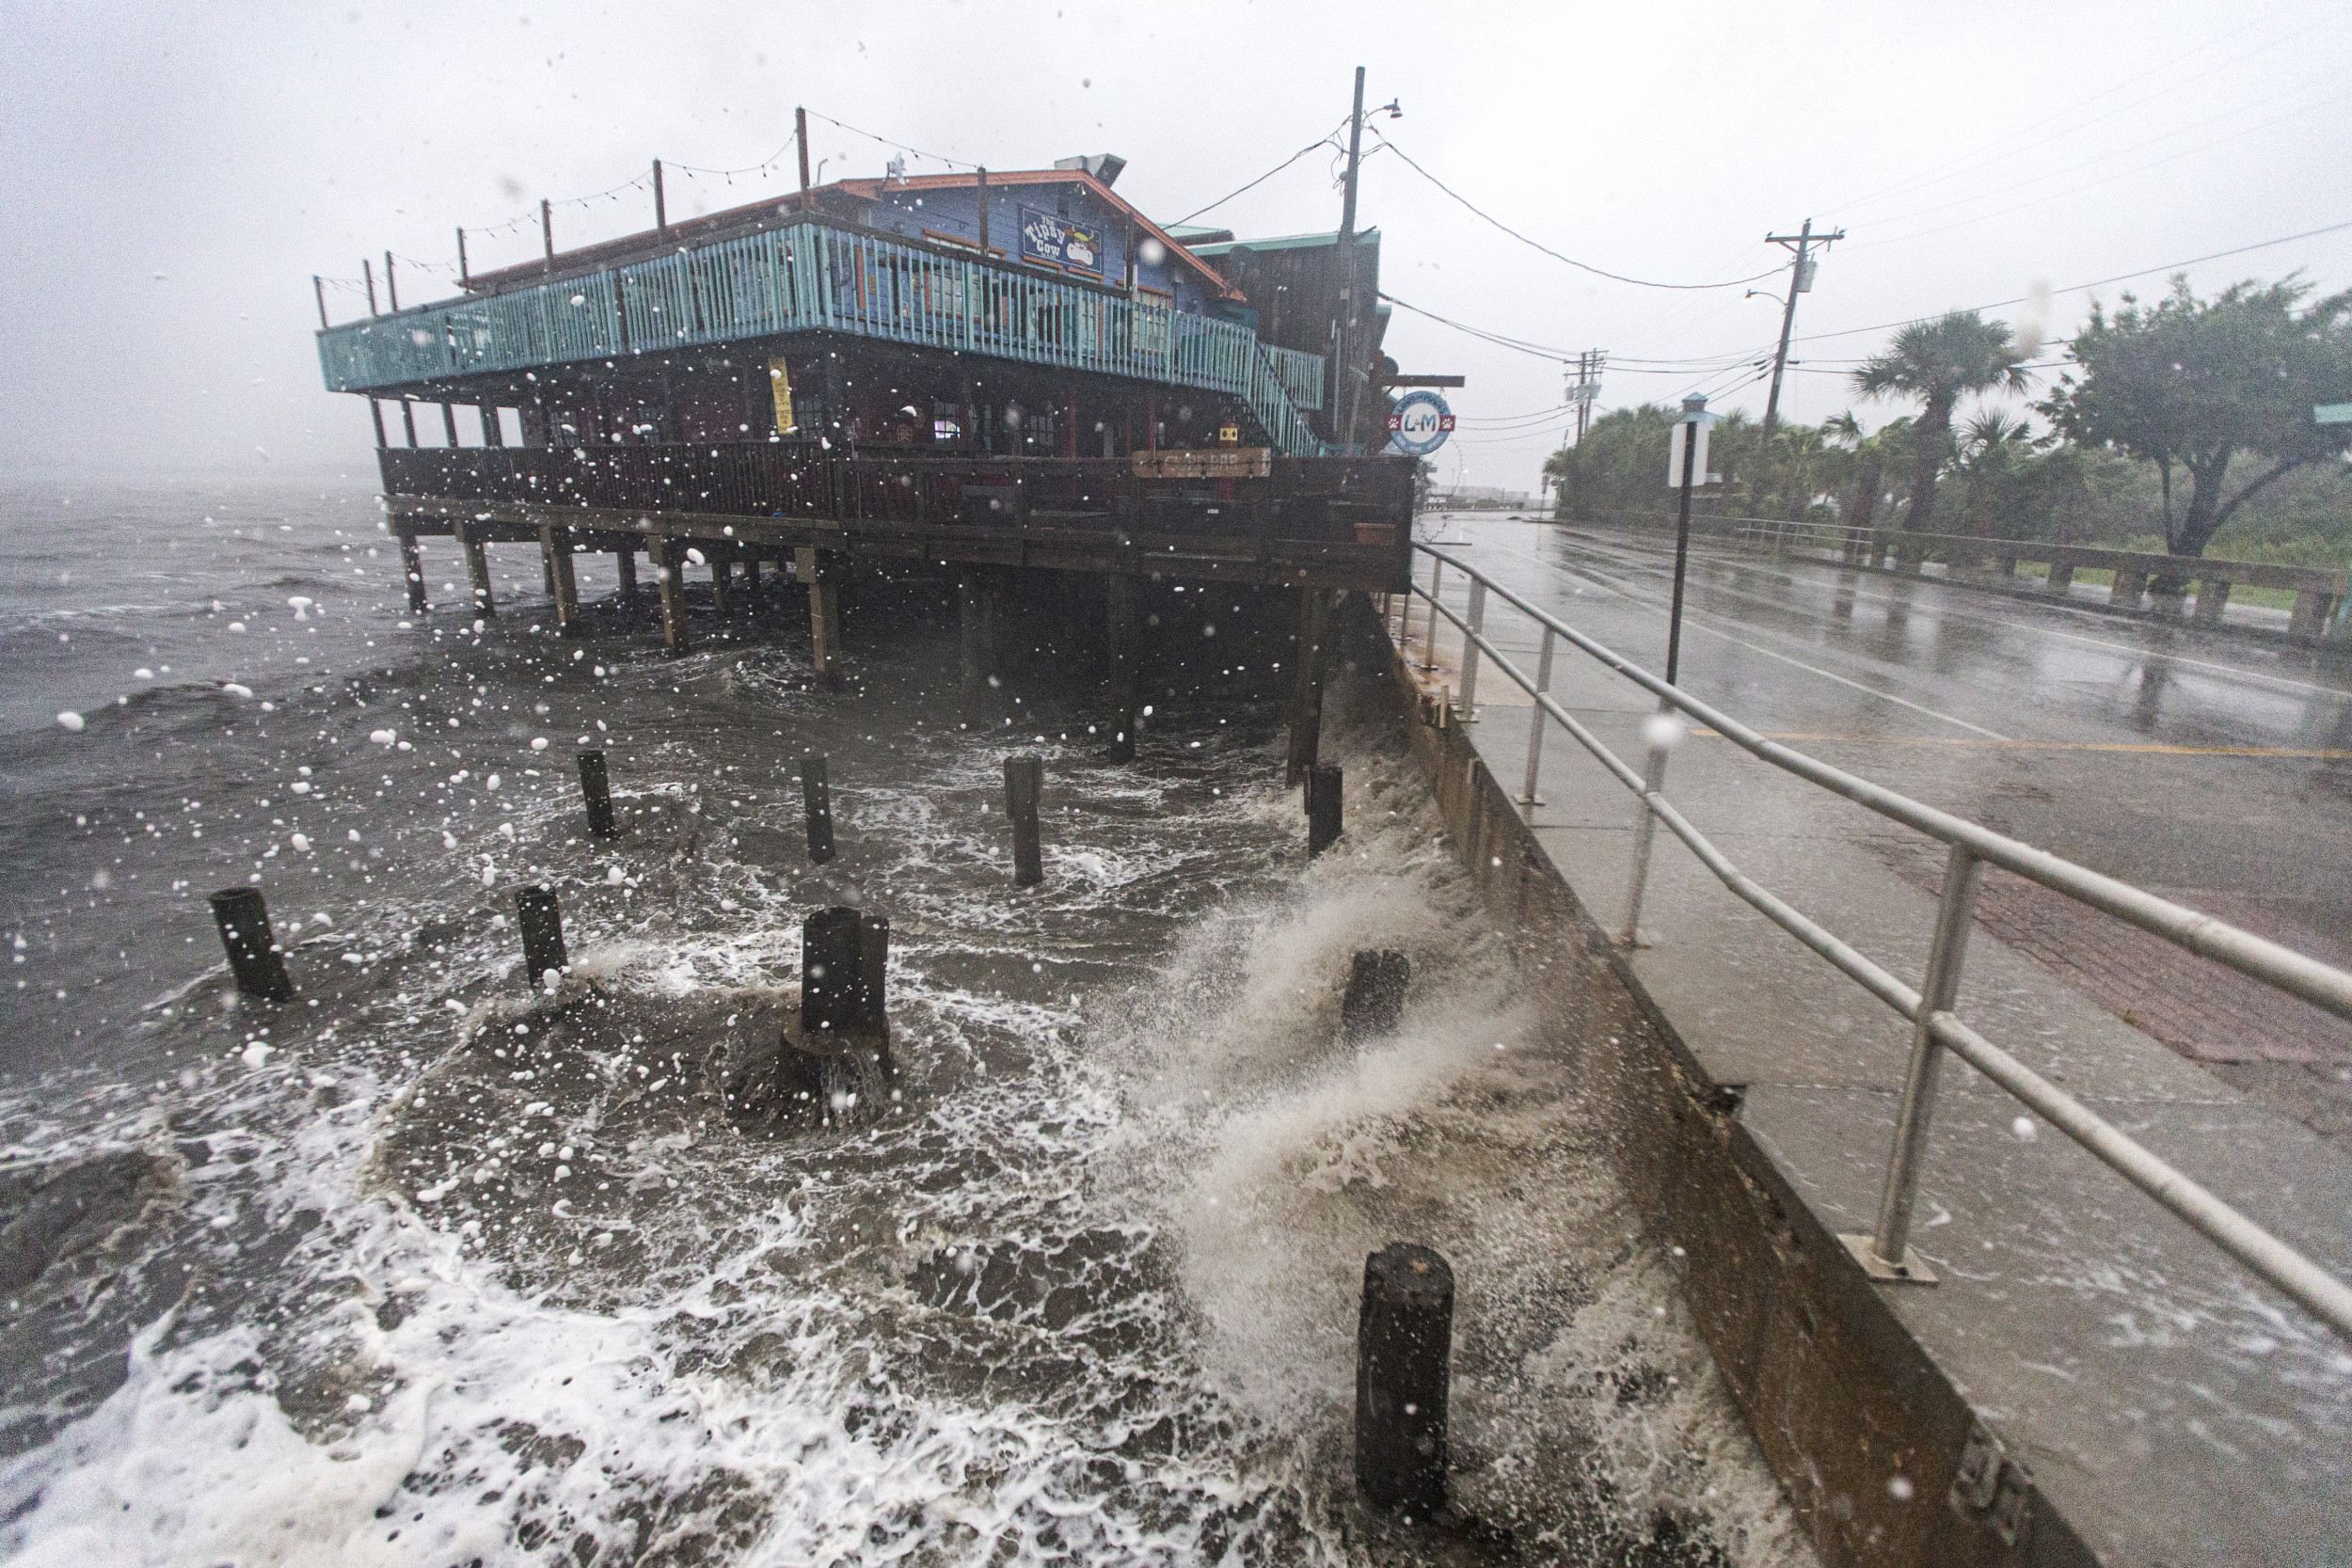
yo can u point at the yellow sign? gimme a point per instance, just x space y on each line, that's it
780 377
1229 435
1212 463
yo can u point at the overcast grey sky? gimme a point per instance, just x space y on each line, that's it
175 173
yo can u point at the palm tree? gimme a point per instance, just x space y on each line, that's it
1940 362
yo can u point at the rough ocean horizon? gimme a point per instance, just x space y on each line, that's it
428 1268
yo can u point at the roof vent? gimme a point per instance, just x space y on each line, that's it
1104 166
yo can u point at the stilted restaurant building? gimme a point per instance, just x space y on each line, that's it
989 373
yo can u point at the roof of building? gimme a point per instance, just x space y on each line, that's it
716 225
1279 242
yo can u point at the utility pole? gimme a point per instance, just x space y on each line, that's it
1800 281
1587 390
1343 402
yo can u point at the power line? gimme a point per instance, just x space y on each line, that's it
1541 351
1538 244
1327 139
2094 283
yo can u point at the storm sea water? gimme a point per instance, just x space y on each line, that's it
427 1268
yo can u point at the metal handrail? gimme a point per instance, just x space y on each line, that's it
1936 1028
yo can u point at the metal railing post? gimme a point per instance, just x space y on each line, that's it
1889 1255
1646 829
1470 649
1537 720
1436 578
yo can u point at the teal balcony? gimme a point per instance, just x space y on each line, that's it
811 277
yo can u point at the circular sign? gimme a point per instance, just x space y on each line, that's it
1419 424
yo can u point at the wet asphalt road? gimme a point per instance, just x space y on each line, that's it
2215 769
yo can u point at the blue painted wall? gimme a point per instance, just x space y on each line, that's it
955 211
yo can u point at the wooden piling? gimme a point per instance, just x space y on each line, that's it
412 568
477 570
833 950
1322 807
1024 783
1404 1345
1119 595
816 805
670 572
542 923
596 793
979 660
873 970
1374 1003
722 585
555 546
824 613
253 955
1306 719
624 561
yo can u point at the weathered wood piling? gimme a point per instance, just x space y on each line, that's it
1404 1350
817 805
1323 806
1372 1006
253 955
542 924
596 794
1025 785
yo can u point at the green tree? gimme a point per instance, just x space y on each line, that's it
1869 458
1618 465
2190 383
1940 362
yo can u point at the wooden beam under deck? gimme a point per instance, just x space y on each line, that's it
1091 547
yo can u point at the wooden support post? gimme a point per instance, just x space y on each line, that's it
624 561
817 805
1118 594
1314 632
555 549
547 233
1374 1003
318 292
596 793
978 649
493 430
670 573
448 421
750 579
1322 807
477 570
253 955
412 569
721 581
824 614
542 922
408 420
873 970
376 417
833 945
2130 583
1025 785
1404 1349
2061 578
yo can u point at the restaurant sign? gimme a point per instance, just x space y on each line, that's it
1048 237
1209 463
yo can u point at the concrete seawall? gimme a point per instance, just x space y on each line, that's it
1865 1430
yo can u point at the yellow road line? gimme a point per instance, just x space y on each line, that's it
2147 747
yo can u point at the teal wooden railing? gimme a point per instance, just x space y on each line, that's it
811 277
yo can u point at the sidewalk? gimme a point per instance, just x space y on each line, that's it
2169 1408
